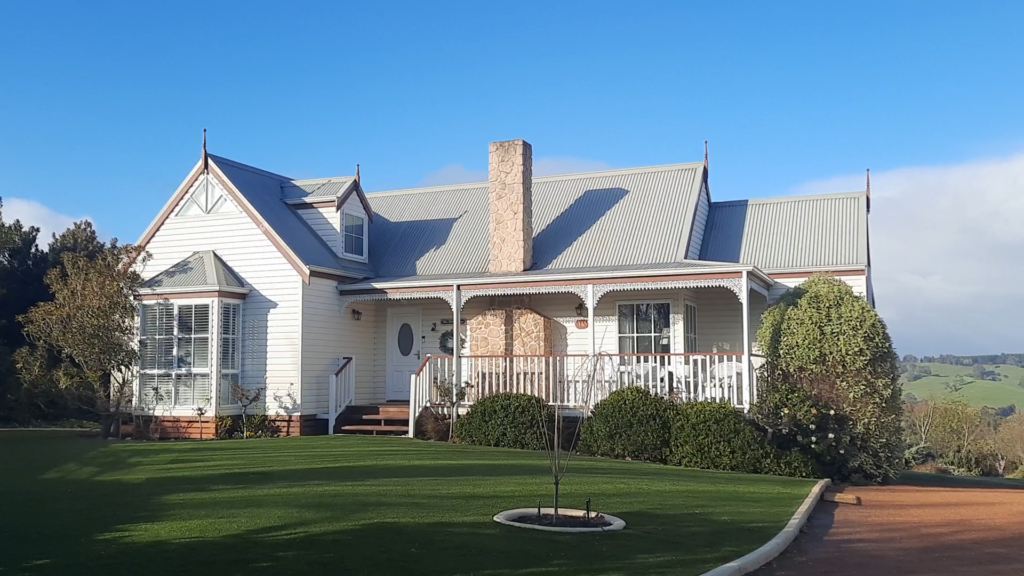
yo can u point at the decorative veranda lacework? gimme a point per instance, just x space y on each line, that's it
580 290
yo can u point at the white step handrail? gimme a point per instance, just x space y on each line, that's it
341 391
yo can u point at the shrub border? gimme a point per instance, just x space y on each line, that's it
776 545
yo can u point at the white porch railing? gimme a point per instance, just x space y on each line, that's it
567 379
341 391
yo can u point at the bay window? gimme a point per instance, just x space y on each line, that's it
176 363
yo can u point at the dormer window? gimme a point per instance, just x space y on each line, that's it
206 198
354 233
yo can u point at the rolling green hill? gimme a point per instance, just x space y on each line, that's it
979 392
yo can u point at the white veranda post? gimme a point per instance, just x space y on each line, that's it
590 319
456 349
745 305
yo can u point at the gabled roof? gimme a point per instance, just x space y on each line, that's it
610 219
264 192
201 271
791 233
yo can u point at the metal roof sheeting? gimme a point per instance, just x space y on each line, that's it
200 270
317 188
262 190
798 232
609 219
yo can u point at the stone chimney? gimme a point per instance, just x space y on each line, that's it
510 179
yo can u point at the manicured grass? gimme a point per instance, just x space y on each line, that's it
357 505
978 392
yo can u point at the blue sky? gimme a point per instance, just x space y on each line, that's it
104 106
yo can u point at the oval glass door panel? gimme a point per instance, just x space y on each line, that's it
405 340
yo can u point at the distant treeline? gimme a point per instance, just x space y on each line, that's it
951 359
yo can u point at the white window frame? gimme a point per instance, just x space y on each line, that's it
691 338
345 253
175 371
671 333
226 372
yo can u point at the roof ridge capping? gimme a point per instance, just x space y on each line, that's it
249 168
793 198
567 175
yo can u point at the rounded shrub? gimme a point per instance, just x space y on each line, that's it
507 420
827 350
630 423
715 436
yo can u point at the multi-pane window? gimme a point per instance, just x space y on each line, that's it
354 231
690 328
645 328
230 349
174 354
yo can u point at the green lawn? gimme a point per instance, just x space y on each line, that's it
978 392
358 505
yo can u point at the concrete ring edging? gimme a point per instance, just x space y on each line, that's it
776 545
507 516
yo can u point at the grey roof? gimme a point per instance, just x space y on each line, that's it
609 219
317 188
264 191
200 270
687 266
796 232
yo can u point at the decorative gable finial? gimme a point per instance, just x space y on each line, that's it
357 173
867 188
206 162
705 154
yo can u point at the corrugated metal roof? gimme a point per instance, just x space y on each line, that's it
797 232
320 188
263 191
203 270
605 219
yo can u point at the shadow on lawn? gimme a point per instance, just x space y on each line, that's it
138 508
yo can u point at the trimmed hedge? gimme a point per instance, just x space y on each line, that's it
631 423
507 420
715 436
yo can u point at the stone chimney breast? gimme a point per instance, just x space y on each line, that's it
510 182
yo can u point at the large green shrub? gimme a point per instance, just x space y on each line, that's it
715 436
508 420
828 352
630 423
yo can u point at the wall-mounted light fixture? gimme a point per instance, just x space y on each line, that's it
581 310
357 315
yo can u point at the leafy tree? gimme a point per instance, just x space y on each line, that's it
1008 442
826 344
80 239
89 328
910 359
978 372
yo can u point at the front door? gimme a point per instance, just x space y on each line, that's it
403 353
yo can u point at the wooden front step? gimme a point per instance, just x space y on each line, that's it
378 419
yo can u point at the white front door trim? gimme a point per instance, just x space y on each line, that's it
400 367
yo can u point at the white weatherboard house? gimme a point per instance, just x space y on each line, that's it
341 305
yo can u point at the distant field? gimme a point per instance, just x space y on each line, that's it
977 392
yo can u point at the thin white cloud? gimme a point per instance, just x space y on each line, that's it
547 165
453 174
542 166
946 244
32 213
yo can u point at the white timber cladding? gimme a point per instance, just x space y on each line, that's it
718 327
328 333
858 283
270 312
325 221
700 220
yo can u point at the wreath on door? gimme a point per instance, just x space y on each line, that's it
446 340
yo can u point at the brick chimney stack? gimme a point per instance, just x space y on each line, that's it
510 180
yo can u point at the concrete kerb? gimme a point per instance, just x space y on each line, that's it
776 545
